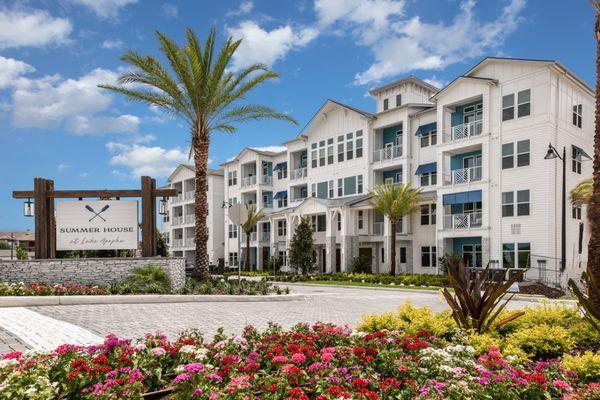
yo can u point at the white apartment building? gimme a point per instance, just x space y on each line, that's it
178 225
476 148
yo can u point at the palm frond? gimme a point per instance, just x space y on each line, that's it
582 193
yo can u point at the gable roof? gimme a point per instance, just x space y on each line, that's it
209 171
251 149
410 78
460 78
328 102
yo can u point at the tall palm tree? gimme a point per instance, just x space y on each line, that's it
254 216
582 193
395 201
199 88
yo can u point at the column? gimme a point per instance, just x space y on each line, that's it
349 239
330 217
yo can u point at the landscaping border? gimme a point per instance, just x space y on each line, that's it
29 301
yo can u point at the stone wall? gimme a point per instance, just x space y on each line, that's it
87 271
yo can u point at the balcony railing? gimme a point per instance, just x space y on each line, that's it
265 236
266 180
387 153
298 173
298 199
178 220
249 181
189 219
189 194
464 131
378 228
189 242
463 221
177 199
464 175
177 243
253 237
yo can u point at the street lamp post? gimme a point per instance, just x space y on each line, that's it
552 154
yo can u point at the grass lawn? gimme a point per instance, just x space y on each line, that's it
364 284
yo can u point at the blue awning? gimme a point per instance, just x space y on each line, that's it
424 129
281 165
579 151
462 197
426 168
280 195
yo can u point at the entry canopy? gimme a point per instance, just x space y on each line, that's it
462 197
426 168
280 195
281 165
425 129
578 151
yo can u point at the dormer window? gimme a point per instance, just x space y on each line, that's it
385 104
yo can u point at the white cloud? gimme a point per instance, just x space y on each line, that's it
31 28
170 10
245 7
105 8
438 83
62 167
273 149
141 159
112 44
262 46
78 105
11 69
430 46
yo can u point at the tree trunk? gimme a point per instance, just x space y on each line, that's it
393 251
248 251
200 146
593 266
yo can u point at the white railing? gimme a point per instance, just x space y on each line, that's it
177 243
387 153
298 173
463 175
297 199
189 242
253 236
177 199
464 131
463 221
249 181
268 205
189 219
189 194
266 180
178 220
378 228
265 236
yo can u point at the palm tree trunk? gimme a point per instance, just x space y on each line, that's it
393 251
200 146
593 265
248 251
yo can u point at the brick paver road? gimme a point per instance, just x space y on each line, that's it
327 304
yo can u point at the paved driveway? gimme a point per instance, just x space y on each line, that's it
90 322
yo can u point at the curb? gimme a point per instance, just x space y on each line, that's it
30 301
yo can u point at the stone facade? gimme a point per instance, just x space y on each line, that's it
87 271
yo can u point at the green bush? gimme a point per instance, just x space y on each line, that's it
361 264
544 341
228 286
380 279
586 365
148 279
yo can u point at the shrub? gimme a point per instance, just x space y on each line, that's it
410 320
21 254
586 365
544 341
361 264
148 279
382 279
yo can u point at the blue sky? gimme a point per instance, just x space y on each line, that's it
55 122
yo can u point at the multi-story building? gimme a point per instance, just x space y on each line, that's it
477 150
178 225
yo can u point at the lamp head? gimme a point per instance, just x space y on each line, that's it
551 154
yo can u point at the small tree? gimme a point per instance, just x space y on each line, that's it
254 215
162 248
21 254
303 253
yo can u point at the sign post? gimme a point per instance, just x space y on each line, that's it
238 214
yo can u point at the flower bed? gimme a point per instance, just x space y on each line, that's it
319 362
383 279
41 289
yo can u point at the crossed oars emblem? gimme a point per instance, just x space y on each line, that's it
97 214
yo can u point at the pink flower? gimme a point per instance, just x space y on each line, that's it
158 351
215 377
561 385
326 357
181 378
194 367
279 360
298 358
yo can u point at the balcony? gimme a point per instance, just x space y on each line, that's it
249 181
268 205
265 236
178 220
464 131
190 242
189 195
177 243
177 199
298 199
463 175
463 221
189 219
266 180
298 173
387 153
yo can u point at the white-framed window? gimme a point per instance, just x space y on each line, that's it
313 190
349 146
508 107
577 115
340 148
359 184
329 151
233 259
232 200
576 210
282 202
429 138
524 103
318 223
331 189
321 153
385 104
359 144
576 161
398 100
523 153
399 135
339 222
340 187
231 178
313 155
428 214
508 157
516 255
282 172
428 256
523 202
429 179
508 204
232 231
361 219
281 228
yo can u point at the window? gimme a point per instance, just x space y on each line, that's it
508 158
232 231
331 189
359 144
322 157
232 178
233 259
398 100
281 228
576 211
329 151
523 153
385 104
282 202
382 254
341 151
359 188
428 214
318 223
429 139
508 255
577 115
576 161
349 185
523 255
349 149
522 202
340 188
339 222
398 177
425 140
524 103
313 190
428 256
361 219
282 172
433 214
313 155
429 179
508 206
508 107
399 137
433 138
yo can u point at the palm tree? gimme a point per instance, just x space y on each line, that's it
199 88
254 216
582 193
395 201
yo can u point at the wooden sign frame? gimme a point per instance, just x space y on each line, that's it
43 195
